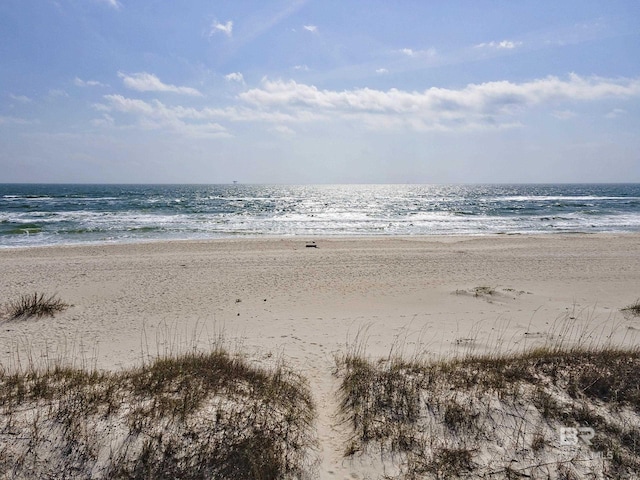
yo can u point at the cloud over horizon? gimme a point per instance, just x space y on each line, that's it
147 82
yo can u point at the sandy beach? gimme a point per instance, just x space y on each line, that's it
278 298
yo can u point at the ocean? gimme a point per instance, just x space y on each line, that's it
52 214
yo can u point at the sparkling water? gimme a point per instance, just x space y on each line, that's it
63 214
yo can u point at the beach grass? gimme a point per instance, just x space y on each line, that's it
634 308
569 408
530 414
34 305
192 416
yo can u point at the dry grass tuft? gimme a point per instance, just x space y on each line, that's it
483 290
193 416
36 305
634 308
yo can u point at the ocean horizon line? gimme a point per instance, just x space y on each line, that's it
284 184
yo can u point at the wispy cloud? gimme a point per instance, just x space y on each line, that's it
217 27
283 130
78 82
311 28
409 52
14 120
56 93
234 77
615 113
105 122
147 82
112 3
503 45
20 98
563 114
381 71
156 115
258 23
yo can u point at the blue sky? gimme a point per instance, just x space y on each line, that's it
310 91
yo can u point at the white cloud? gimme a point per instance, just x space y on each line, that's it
147 82
88 83
409 52
492 104
490 96
503 45
20 98
278 104
127 105
302 68
234 77
311 28
157 113
217 27
382 71
157 116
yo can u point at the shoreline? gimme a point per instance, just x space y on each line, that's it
305 238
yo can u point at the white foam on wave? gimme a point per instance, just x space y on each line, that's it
221 211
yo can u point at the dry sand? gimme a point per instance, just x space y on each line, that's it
277 298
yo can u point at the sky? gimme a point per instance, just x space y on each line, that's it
319 91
